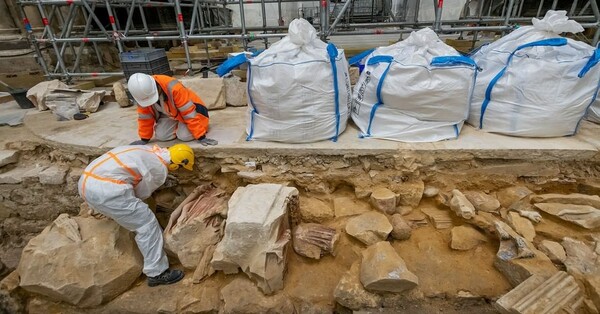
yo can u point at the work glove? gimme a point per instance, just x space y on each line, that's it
140 142
205 141
170 182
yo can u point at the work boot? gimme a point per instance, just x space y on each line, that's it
168 277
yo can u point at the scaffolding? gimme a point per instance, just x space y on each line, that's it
69 26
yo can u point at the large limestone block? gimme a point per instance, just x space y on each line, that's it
81 261
465 238
242 296
517 259
257 234
482 201
384 271
553 250
582 261
345 206
461 205
197 226
315 210
510 195
522 226
236 92
384 200
210 90
409 192
538 294
583 215
350 292
8 157
369 228
574 199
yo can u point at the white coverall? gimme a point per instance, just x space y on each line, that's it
115 185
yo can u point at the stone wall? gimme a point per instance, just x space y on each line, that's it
41 182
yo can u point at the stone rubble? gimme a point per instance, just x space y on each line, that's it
583 215
521 225
236 92
581 260
482 201
242 296
510 195
59 266
210 90
369 228
257 234
350 293
461 205
315 210
465 238
539 294
384 200
121 94
553 250
517 259
430 191
313 240
573 199
409 192
207 300
383 270
53 175
401 230
439 218
196 225
346 206
8 157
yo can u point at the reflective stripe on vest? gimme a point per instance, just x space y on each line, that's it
113 156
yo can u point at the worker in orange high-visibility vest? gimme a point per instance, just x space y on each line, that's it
168 110
115 185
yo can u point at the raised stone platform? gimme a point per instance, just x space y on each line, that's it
114 126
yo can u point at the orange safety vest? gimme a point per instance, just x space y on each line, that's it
181 104
135 177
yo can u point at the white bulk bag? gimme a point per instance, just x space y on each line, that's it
593 113
417 90
535 83
298 89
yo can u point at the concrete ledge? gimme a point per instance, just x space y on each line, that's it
114 126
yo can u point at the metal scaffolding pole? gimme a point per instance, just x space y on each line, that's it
62 32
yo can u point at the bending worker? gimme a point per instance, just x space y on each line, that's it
168 110
115 185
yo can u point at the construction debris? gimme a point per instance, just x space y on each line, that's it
538 294
517 259
350 292
521 225
121 94
482 201
573 199
510 195
439 218
315 210
257 234
461 205
553 250
384 200
314 240
383 270
345 206
401 230
8 157
465 238
195 228
369 228
583 215
95 275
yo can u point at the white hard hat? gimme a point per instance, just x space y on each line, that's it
143 89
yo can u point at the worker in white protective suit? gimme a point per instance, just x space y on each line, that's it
115 185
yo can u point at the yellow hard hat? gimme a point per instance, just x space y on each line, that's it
181 156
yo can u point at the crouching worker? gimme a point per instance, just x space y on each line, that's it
115 185
168 110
